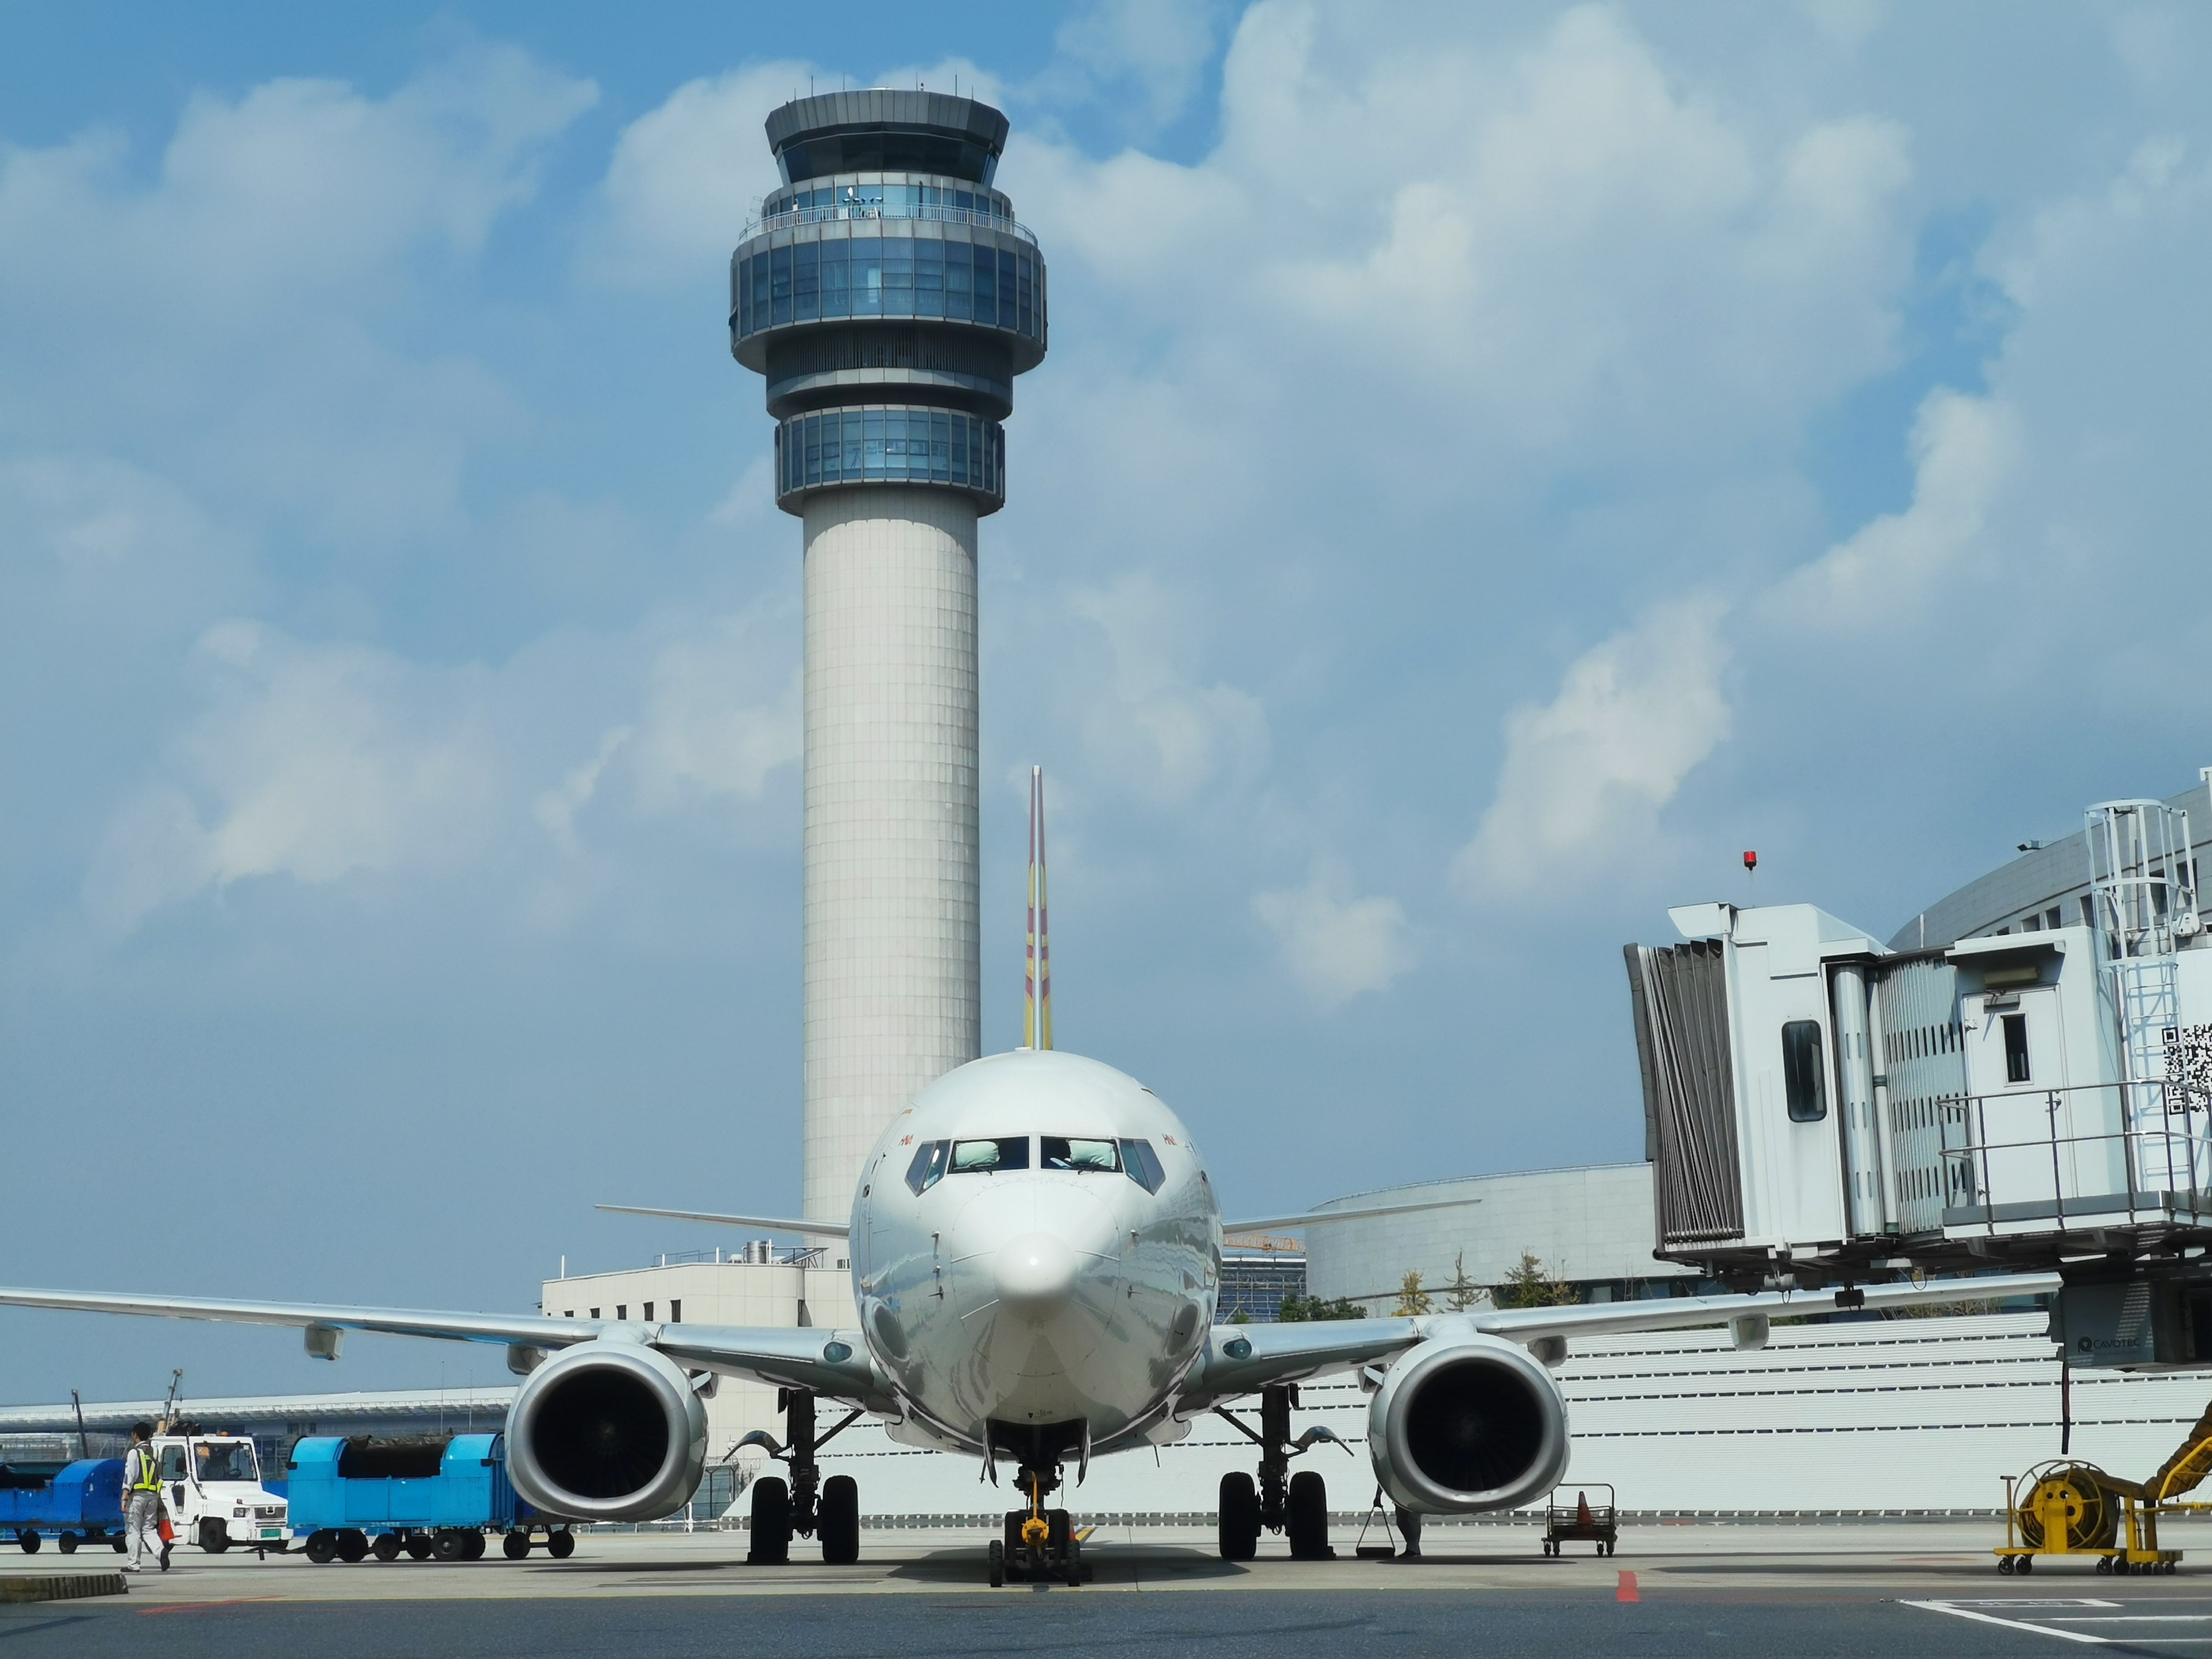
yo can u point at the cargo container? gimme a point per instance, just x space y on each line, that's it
437 1496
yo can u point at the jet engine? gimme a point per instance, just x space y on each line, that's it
606 1430
1467 1423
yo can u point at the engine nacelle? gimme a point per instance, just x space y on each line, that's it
606 1430
1468 1423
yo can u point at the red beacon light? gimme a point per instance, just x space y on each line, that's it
1750 863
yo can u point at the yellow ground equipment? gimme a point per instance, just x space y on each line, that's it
2075 1509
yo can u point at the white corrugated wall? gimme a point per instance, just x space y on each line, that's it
1913 1414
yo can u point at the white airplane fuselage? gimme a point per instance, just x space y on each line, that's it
1036 1243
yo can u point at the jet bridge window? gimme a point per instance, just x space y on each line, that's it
2015 1042
1085 1156
990 1157
1142 1165
929 1166
1801 1078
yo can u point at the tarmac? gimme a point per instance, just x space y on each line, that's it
1799 1590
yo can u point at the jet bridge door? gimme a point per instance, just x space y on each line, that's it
1681 998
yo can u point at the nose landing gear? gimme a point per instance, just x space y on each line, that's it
808 1505
1040 1544
1296 1505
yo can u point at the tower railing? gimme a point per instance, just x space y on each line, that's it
869 210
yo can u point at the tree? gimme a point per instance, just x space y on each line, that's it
1462 1292
1532 1285
1298 1309
1411 1298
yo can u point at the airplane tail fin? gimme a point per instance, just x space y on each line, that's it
1037 984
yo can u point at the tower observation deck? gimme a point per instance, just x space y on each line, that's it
890 298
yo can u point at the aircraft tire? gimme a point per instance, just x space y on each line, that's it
1306 1523
839 1520
1239 1517
561 1545
998 1562
771 1545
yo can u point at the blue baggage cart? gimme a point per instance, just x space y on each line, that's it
437 1497
81 1503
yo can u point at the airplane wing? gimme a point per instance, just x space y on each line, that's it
1243 1359
834 1362
765 1223
1314 1218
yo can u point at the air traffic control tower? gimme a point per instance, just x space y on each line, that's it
890 298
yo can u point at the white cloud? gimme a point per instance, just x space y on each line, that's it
252 311
1583 254
711 726
556 808
688 175
1164 734
1159 48
313 761
1587 772
1964 449
1336 948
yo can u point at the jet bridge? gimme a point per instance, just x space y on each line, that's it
1821 1108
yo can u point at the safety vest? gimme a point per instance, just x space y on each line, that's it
150 1474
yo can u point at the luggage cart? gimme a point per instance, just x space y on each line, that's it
1597 1524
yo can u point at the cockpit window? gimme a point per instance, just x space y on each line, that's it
988 1157
1143 1164
1090 1156
929 1166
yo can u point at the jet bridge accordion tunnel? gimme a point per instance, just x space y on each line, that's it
1822 1109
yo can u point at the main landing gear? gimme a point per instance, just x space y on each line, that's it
809 1505
1294 1505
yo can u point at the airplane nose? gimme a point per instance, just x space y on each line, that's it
1035 1276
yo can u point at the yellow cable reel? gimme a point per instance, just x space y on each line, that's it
2066 1506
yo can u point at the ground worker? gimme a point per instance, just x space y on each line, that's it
141 1497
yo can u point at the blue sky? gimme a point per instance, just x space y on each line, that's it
1494 465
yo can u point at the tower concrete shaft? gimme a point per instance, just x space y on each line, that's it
890 297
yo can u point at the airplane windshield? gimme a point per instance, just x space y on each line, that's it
929 1166
1060 1152
988 1157
1142 1165
226 1459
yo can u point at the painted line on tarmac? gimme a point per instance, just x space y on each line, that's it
2009 1623
195 1606
1627 1589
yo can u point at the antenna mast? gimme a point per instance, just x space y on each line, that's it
1036 979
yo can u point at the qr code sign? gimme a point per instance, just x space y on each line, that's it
2188 1068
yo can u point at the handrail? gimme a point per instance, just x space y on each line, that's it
871 210
2137 1144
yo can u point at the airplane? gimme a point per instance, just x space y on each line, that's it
1034 1244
